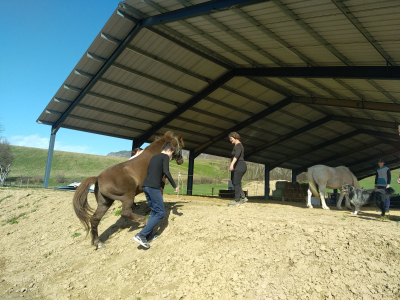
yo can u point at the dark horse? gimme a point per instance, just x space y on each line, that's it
120 182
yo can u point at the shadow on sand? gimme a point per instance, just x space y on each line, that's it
142 209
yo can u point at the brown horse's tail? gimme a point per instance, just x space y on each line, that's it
311 183
81 206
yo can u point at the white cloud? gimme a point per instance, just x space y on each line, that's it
35 141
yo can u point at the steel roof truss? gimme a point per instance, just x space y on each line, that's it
361 72
352 18
289 135
189 104
313 148
368 105
244 124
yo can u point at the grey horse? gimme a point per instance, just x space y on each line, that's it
332 178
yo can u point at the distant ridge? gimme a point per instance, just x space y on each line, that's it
127 154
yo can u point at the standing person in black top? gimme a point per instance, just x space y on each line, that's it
239 167
158 167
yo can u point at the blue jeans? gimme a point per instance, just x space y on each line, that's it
156 204
387 202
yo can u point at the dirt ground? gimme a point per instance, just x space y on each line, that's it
256 188
206 250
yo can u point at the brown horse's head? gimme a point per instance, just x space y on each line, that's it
178 143
178 154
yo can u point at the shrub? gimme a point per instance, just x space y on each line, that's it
60 178
38 179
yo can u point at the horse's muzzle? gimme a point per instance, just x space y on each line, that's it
179 161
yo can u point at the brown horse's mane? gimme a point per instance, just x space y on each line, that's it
168 136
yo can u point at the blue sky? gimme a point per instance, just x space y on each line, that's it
40 44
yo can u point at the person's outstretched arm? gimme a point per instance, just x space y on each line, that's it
166 171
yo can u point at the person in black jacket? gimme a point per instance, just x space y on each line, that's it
239 167
158 167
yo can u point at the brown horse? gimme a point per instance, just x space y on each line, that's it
120 182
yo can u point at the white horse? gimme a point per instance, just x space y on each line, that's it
332 178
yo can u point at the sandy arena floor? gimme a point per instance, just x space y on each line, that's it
207 250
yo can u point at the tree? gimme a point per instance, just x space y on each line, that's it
6 158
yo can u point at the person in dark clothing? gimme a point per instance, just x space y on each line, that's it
382 180
158 167
238 167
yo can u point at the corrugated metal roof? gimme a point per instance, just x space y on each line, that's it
137 81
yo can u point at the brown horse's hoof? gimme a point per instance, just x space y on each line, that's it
100 246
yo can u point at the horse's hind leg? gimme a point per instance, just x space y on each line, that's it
103 204
322 195
309 205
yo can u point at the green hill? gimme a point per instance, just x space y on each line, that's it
31 163
68 167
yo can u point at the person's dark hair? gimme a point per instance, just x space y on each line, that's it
235 135
168 145
135 151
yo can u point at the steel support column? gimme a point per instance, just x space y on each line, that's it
190 173
266 179
49 160
136 144
294 175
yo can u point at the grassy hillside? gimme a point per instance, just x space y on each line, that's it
31 163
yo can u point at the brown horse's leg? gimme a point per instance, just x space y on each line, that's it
127 203
103 204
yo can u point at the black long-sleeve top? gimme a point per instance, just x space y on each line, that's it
158 167
238 152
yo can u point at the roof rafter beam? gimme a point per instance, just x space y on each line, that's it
341 155
380 106
242 125
95 121
353 19
188 104
107 112
327 45
289 135
369 122
120 48
381 134
374 157
192 11
313 148
362 72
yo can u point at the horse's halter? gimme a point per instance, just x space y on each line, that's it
177 152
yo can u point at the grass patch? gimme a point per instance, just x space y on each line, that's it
13 220
173 219
76 234
21 206
9 196
118 212
48 254
33 210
